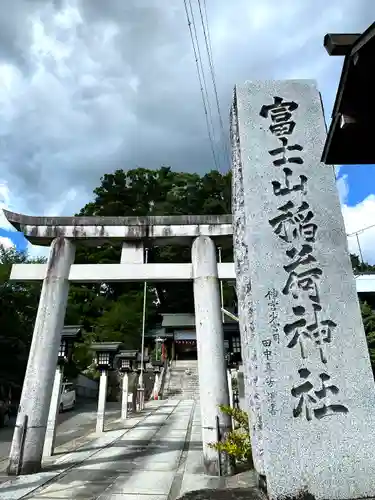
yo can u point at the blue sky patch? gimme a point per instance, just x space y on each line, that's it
18 238
361 182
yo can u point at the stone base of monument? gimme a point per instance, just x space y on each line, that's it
227 494
262 482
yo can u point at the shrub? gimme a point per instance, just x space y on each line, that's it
236 443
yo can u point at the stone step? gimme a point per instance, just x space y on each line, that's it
183 381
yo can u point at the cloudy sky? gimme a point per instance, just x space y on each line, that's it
87 86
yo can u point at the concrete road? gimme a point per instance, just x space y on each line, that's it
72 424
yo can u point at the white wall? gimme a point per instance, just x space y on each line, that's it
85 387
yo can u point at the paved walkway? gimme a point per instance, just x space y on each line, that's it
157 457
73 426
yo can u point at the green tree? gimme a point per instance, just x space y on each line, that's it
368 317
360 266
113 311
142 192
123 319
18 307
367 307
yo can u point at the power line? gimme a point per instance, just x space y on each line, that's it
356 233
201 85
207 38
202 71
360 230
208 31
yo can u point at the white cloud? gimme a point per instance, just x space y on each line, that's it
88 86
4 203
70 113
6 242
34 251
357 218
343 188
361 216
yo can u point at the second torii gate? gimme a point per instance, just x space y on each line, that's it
62 234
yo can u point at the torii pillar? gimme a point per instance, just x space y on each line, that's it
213 383
30 430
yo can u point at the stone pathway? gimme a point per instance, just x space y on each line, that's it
158 457
73 429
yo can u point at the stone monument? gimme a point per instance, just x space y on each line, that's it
311 387
245 309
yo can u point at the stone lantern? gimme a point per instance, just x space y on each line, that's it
232 361
141 368
126 363
105 353
69 335
156 365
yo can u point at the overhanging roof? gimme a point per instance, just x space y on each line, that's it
105 346
128 354
340 44
351 134
71 331
171 320
185 320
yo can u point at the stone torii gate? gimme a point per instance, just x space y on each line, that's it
62 234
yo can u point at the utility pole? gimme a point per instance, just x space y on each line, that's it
221 291
140 383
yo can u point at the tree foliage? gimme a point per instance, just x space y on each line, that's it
18 307
113 311
368 317
142 192
360 267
